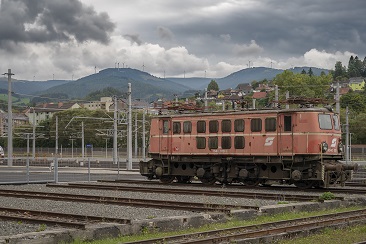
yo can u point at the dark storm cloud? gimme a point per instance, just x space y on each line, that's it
281 27
133 38
39 21
165 33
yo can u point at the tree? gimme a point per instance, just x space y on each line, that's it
355 101
303 85
354 67
310 72
213 86
303 72
340 71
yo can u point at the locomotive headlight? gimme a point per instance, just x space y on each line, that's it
340 147
324 147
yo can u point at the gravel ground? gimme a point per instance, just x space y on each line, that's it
127 212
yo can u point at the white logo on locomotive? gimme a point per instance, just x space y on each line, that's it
269 141
334 143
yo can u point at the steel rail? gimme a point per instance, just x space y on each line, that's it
220 193
228 235
274 187
146 203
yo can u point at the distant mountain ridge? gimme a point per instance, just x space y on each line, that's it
241 76
30 87
144 85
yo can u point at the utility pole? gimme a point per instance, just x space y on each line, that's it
115 146
34 134
10 120
129 136
347 136
338 109
136 146
205 99
287 97
72 147
82 140
276 96
56 147
143 137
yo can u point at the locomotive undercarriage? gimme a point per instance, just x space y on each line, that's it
303 172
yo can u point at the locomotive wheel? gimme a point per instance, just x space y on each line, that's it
184 179
208 181
304 184
251 182
167 179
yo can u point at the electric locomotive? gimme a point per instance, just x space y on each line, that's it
299 146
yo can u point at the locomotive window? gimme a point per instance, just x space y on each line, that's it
201 126
270 124
187 127
213 142
287 123
165 126
226 125
325 123
201 142
336 122
256 125
239 125
226 142
213 126
176 127
239 142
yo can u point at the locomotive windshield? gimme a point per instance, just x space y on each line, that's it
325 122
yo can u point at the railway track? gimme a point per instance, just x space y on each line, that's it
52 218
220 193
243 233
348 190
149 203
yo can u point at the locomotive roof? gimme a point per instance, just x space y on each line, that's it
254 111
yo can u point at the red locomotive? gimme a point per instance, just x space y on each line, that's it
293 146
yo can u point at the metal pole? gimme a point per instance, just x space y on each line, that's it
82 140
254 101
136 146
106 147
287 97
56 147
276 96
338 109
350 146
129 136
27 158
143 137
34 134
10 120
72 148
347 136
115 131
205 98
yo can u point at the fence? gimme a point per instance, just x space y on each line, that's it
66 166
97 164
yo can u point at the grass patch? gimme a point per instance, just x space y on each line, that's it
327 196
150 233
340 236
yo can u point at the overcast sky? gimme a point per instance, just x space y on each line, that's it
67 39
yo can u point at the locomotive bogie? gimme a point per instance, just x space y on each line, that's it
301 147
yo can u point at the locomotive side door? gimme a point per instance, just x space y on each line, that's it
165 137
286 127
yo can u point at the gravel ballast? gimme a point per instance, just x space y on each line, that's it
8 228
